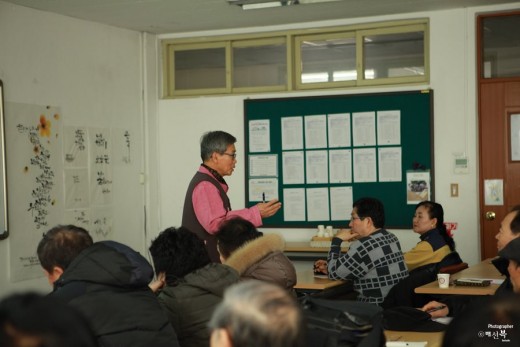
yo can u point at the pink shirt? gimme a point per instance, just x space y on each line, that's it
210 211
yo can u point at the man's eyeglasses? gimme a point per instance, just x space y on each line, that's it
360 218
232 155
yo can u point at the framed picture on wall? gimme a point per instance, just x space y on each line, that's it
514 136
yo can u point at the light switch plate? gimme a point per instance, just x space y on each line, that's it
454 190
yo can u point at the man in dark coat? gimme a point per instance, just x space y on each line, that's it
192 286
108 283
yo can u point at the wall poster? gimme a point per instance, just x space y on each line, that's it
34 171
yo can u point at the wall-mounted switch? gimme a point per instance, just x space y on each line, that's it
454 190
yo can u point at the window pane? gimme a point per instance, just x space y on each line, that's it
501 45
394 55
200 68
260 66
330 60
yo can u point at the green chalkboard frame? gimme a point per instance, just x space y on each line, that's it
416 142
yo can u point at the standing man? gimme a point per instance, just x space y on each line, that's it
206 204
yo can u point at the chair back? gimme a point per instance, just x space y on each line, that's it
452 269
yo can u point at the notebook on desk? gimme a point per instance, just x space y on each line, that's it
472 282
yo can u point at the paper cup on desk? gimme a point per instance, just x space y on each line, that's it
444 280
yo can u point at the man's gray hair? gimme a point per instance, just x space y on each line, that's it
259 314
215 141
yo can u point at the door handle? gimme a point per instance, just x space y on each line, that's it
490 215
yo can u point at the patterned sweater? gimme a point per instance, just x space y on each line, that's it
375 263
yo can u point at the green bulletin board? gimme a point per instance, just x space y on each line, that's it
415 123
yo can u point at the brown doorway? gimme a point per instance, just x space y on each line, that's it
499 109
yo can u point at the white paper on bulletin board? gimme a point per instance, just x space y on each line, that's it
259 135
35 189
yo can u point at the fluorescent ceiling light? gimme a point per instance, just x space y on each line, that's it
259 4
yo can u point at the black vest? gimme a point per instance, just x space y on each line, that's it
189 218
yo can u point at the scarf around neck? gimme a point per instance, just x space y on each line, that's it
215 174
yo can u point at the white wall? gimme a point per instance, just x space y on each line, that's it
94 73
452 51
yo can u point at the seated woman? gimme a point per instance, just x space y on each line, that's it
435 250
254 255
435 244
193 286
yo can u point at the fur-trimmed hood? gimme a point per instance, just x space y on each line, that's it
263 259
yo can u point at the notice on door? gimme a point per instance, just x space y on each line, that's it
494 192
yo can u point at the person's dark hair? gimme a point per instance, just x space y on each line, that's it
61 244
373 208
258 314
178 252
215 141
515 223
481 324
47 321
435 210
234 233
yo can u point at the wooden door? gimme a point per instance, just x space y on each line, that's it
498 100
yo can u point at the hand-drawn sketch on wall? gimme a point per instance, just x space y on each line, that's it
79 217
123 143
91 154
101 223
35 194
100 142
76 188
75 147
75 158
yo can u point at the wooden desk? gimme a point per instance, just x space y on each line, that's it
482 270
305 247
307 281
433 339
304 251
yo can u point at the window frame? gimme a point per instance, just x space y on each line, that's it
267 41
298 60
393 80
293 40
170 78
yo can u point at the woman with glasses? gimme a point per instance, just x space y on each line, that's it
206 204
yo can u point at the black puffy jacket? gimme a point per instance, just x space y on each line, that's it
108 283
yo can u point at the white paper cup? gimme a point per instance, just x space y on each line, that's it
444 280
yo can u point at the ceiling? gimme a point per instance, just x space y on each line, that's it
177 16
